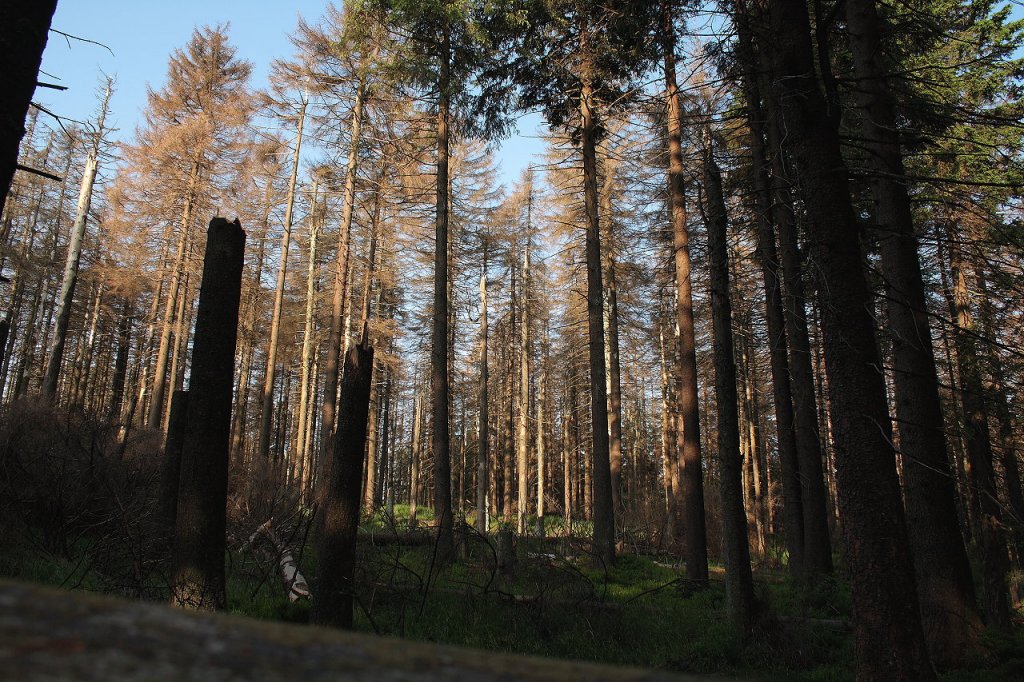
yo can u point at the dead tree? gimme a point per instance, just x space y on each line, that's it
336 541
199 541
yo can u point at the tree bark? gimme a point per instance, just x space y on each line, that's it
981 473
768 258
951 620
523 436
889 640
739 582
439 395
67 287
603 512
333 596
24 27
483 453
341 268
269 375
199 580
687 437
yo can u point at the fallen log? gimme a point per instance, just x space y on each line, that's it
48 634
293 579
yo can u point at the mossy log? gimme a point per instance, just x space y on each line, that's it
48 634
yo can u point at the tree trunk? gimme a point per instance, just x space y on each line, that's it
24 27
414 473
156 405
688 437
441 436
991 543
951 620
523 436
739 582
602 510
887 627
767 256
67 287
611 312
341 268
267 395
199 580
483 463
333 597
305 394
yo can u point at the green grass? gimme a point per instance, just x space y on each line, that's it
637 612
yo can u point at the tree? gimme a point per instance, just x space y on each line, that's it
739 582
23 37
194 129
572 61
950 617
67 289
688 435
200 536
888 635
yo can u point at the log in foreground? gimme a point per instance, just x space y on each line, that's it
48 634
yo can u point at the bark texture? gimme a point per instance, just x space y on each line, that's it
24 27
333 596
202 495
888 635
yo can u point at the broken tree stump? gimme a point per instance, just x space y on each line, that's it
199 541
336 539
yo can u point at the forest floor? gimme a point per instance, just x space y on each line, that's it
555 602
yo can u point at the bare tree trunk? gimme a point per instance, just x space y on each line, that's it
611 312
888 636
768 258
200 538
305 395
414 473
523 437
739 582
267 395
688 437
950 616
341 268
981 473
333 597
541 454
441 436
483 453
67 288
602 510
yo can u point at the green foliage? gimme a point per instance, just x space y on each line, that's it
606 45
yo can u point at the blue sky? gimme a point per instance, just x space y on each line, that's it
142 35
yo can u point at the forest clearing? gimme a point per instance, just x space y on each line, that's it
724 380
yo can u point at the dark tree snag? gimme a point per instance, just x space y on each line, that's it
336 540
170 467
23 31
48 635
199 541
888 636
739 582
